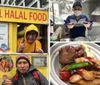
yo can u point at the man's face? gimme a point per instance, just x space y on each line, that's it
77 8
31 37
22 66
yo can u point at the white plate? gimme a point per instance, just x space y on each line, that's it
54 72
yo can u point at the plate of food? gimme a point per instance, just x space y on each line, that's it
6 63
75 64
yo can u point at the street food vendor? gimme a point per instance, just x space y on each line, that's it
77 24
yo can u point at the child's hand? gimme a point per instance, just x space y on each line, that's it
39 51
21 46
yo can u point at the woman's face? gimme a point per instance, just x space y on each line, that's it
22 66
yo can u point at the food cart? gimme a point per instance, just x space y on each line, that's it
10 20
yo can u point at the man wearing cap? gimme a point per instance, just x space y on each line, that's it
77 24
29 44
25 74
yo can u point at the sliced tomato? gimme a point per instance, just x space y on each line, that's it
89 58
64 75
79 71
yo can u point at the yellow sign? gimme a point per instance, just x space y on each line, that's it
23 15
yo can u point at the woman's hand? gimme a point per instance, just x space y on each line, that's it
7 80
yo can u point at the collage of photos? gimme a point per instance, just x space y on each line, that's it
49 42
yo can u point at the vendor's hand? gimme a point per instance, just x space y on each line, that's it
39 50
21 46
7 80
86 24
70 25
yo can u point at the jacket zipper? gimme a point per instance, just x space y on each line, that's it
24 80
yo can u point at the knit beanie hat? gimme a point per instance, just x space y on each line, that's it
23 57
